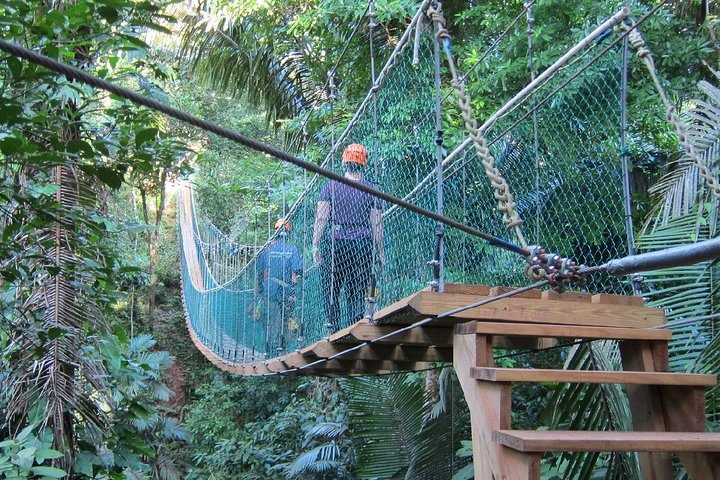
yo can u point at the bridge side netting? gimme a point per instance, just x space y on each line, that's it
565 175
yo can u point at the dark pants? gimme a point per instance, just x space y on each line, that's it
349 269
279 312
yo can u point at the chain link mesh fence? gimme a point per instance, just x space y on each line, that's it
562 163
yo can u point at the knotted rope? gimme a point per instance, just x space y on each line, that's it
638 43
501 190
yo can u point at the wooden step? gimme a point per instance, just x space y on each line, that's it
591 376
562 331
579 441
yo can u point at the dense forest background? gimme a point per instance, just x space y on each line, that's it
99 377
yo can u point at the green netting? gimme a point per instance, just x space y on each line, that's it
567 185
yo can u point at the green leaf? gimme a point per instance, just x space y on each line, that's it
15 66
45 453
110 14
44 190
25 432
84 462
51 472
110 177
82 147
10 145
54 333
156 27
10 113
145 135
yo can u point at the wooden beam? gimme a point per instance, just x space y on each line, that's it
684 411
396 353
421 336
608 299
539 311
489 405
646 406
567 296
535 293
467 289
562 331
581 441
590 376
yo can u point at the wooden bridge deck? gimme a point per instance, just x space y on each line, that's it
531 314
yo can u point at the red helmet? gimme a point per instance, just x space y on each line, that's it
355 153
282 223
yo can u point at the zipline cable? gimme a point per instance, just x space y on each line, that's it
84 77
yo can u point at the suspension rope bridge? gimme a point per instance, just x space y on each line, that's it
304 299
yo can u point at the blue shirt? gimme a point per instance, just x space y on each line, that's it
276 264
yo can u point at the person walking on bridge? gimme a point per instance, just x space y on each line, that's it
346 256
280 267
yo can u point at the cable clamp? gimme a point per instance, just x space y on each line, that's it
559 271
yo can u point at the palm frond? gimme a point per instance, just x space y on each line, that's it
681 188
324 458
385 419
326 430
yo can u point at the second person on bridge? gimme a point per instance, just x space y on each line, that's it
346 256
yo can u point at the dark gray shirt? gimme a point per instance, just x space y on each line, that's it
349 209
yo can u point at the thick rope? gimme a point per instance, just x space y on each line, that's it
643 52
505 199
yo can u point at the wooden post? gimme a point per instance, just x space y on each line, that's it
646 408
489 404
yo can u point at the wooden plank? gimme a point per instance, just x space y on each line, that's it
261 368
467 289
570 331
608 299
590 376
398 311
398 353
539 311
581 441
535 293
583 297
295 360
276 365
424 336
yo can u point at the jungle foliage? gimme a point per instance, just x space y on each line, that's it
86 225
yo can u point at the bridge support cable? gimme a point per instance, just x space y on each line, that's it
536 147
438 262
